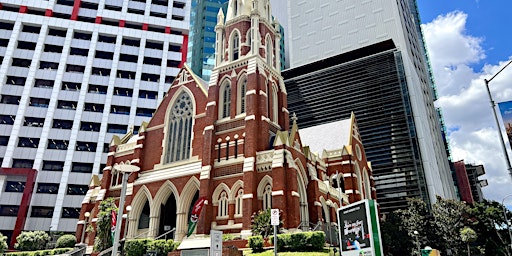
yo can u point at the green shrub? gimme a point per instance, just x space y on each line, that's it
256 243
66 241
136 247
31 241
228 237
162 247
41 252
3 243
317 240
298 241
283 241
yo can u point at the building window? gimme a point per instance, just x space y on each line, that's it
16 80
57 144
242 89
99 89
64 104
267 197
275 105
28 142
239 202
90 127
117 128
93 107
71 213
47 188
74 189
144 217
68 86
56 166
235 46
14 186
223 205
85 146
33 121
7 119
81 167
39 102
42 211
9 210
4 140
126 92
269 52
180 129
62 124
226 100
10 99
43 83
121 110
144 112
22 163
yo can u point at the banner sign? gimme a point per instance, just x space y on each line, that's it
506 114
359 229
194 215
113 225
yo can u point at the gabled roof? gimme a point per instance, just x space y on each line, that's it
330 136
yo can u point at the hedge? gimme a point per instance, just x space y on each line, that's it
139 247
303 241
66 241
41 252
256 243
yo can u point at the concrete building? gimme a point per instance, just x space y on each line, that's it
229 143
73 74
350 33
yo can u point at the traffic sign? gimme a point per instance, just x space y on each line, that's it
274 217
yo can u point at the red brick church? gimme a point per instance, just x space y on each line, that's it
230 141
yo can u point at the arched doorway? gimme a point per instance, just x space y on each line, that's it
167 216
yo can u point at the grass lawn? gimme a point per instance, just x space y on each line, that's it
325 252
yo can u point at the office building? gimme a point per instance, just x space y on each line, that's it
344 52
201 46
73 74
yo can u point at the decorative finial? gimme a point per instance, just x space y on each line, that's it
294 117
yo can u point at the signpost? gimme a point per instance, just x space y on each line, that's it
274 221
216 243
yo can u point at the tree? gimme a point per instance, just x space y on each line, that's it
468 235
485 217
104 224
415 218
3 243
31 240
394 238
450 216
260 223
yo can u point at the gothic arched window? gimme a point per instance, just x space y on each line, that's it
275 105
269 51
242 89
180 129
239 202
235 46
223 205
225 100
267 197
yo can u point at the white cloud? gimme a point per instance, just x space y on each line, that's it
464 101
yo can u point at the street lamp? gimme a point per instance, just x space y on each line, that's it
86 217
506 219
126 170
493 106
416 234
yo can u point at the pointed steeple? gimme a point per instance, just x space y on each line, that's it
220 18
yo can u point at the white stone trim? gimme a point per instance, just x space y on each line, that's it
251 117
278 193
211 103
295 194
247 196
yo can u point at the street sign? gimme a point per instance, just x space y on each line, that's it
274 217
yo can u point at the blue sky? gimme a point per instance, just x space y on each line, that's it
469 41
490 20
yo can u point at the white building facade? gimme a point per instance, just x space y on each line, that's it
73 74
315 31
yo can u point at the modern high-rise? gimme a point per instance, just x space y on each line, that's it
349 56
201 47
73 74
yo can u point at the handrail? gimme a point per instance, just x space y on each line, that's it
106 251
139 235
164 234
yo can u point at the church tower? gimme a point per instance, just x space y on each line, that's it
246 109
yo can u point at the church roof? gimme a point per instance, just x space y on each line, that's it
328 136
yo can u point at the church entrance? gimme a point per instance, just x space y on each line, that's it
168 217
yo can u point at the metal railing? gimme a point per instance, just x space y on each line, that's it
165 234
